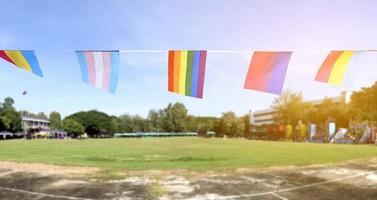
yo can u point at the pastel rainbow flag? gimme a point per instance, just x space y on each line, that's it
24 59
100 68
339 67
267 71
187 72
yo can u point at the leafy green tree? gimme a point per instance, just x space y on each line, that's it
230 125
114 124
328 110
178 114
12 120
7 104
5 123
290 108
363 104
55 120
42 115
154 120
126 123
73 128
96 123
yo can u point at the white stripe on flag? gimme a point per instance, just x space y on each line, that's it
98 63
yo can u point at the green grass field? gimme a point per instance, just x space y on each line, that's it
178 153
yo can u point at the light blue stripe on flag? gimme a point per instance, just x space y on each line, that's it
33 62
83 66
114 71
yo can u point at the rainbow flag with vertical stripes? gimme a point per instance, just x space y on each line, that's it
267 71
100 68
186 72
339 67
24 59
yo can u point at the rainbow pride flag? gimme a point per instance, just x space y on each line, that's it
100 68
186 72
24 59
338 67
267 71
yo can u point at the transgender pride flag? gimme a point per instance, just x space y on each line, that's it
99 68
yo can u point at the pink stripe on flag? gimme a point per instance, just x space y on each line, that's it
91 68
106 57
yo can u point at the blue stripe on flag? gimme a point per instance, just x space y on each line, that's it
83 66
33 62
114 71
195 74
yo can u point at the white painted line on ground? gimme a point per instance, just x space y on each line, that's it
279 196
38 197
42 194
292 188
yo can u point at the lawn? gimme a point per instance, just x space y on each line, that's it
178 153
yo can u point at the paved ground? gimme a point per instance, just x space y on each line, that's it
357 180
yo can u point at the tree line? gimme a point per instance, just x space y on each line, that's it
290 109
174 118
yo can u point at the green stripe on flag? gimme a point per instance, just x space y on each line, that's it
190 62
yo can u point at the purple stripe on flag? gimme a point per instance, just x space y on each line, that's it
279 70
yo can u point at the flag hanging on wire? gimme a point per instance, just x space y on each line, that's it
100 68
267 71
186 70
24 59
339 67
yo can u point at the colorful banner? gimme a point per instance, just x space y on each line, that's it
100 68
186 72
22 59
339 67
267 71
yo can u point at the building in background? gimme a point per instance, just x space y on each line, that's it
266 116
31 122
39 127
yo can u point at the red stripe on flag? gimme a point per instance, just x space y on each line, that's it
324 71
4 56
171 71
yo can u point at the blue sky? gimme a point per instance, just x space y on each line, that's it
55 28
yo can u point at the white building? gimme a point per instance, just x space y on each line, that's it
266 116
30 122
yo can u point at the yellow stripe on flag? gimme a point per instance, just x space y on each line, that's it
340 68
182 72
19 60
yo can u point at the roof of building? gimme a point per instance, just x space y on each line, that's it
34 118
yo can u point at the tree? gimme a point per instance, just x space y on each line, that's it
363 104
42 115
230 125
126 123
7 104
73 128
290 108
96 123
329 110
154 120
11 120
55 120
5 123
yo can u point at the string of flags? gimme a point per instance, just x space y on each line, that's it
186 69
